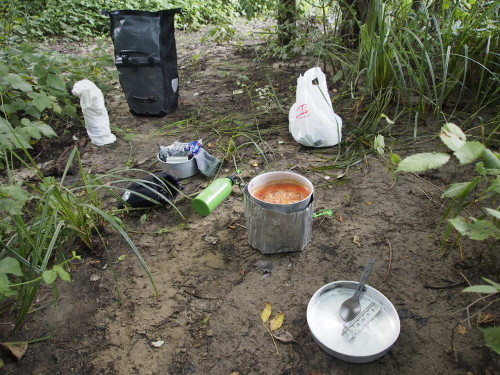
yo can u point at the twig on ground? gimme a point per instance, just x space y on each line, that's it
436 187
390 260
271 334
453 351
439 287
193 294
437 204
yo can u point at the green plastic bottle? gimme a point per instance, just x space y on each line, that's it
213 195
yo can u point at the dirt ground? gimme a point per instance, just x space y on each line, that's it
208 313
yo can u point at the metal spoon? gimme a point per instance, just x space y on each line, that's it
351 307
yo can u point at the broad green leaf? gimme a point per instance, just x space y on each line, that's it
4 69
379 144
452 136
13 198
491 159
492 212
32 110
25 121
56 82
277 322
459 189
45 129
31 132
492 338
266 313
4 283
5 290
470 152
37 129
484 289
4 125
63 274
18 82
49 276
476 230
423 162
41 100
56 108
11 266
40 70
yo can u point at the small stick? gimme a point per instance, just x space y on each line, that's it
274 342
454 285
453 352
390 260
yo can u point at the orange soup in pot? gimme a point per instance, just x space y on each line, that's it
281 193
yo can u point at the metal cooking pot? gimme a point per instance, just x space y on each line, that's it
180 170
275 177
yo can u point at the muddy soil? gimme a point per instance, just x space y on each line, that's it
207 317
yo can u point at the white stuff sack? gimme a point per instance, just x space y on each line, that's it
312 120
94 112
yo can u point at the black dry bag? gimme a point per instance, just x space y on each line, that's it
146 58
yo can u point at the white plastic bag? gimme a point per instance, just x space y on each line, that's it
312 120
94 112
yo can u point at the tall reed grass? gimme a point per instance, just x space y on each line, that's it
442 64
38 231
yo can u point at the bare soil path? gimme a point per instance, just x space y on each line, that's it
207 315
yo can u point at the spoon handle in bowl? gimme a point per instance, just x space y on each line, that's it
364 277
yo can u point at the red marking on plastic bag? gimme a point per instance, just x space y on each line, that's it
302 112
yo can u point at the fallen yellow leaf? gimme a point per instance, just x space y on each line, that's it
266 313
277 321
462 330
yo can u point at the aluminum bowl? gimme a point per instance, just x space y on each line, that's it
326 325
274 177
179 170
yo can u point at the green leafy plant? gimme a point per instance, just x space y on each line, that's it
82 19
35 97
482 189
485 186
41 221
491 290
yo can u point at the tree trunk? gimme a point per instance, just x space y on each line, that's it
350 28
416 5
286 21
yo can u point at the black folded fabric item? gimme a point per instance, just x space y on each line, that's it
158 187
146 58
